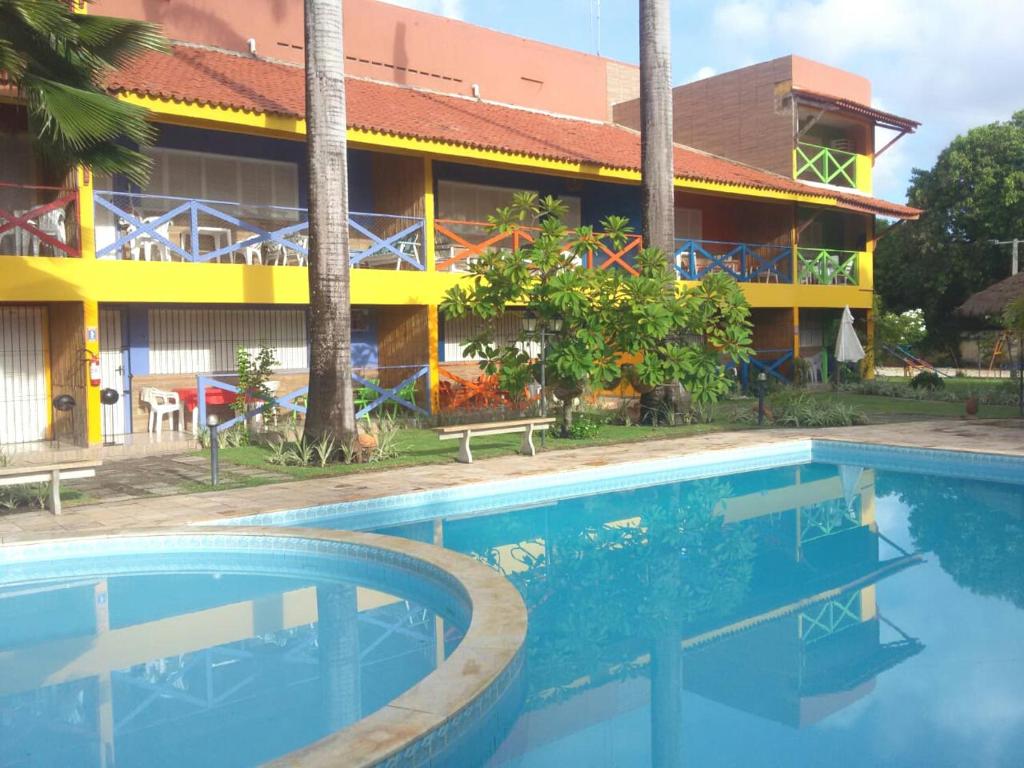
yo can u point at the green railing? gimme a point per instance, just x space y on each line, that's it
829 166
825 266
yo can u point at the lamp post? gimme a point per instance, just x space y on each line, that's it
212 422
531 324
762 378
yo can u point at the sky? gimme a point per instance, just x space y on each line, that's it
951 64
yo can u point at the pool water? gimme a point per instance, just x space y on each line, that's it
207 658
809 615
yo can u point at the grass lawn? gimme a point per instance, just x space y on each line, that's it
422 446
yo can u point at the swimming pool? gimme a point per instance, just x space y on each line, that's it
237 647
815 604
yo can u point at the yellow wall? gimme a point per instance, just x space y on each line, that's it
29 278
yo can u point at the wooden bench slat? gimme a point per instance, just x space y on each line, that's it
62 468
492 424
45 477
478 432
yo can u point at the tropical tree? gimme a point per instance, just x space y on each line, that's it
604 316
330 406
56 61
656 152
972 195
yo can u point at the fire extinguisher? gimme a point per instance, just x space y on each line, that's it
94 370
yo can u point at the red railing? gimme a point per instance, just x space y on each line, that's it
459 242
38 221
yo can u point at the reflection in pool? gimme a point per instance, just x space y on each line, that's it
812 615
201 660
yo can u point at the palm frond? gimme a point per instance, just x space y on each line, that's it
80 118
117 42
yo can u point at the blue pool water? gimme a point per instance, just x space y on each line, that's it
216 656
817 614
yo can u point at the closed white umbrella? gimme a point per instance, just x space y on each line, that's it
848 346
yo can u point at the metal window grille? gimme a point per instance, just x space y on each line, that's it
23 399
206 340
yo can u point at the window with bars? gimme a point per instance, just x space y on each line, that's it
24 405
464 201
689 223
206 340
459 331
207 176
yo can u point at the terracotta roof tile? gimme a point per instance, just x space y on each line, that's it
209 77
885 119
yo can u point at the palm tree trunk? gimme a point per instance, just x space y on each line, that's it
656 127
330 409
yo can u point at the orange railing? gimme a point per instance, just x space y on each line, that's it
458 243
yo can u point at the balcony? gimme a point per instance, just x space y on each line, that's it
745 262
136 227
823 266
38 221
827 165
459 243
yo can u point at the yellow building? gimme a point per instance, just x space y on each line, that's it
109 286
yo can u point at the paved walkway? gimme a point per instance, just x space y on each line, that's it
1003 436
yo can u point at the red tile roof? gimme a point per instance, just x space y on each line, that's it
885 119
215 78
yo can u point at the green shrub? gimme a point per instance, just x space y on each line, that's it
800 409
584 427
927 380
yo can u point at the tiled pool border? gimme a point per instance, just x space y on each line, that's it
440 714
534 489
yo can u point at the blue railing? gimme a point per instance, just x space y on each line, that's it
370 395
142 227
745 262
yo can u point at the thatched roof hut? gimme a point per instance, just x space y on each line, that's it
991 301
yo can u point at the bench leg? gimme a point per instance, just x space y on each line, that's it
55 491
527 448
465 455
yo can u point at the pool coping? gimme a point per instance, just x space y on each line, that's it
552 486
430 716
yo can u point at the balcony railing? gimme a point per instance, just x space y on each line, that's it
141 227
38 221
459 243
826 266
827 165
747 263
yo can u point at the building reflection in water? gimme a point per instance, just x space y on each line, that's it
759 594
201 669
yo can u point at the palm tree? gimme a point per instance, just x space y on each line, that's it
56 61
331 410
656 127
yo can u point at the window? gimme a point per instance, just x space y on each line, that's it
250 181
462 201
689 224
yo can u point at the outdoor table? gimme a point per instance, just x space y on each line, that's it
189 400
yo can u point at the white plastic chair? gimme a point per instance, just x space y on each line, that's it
161 403
814 369
54 224
145 245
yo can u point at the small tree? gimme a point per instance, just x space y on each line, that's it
603 315
254 372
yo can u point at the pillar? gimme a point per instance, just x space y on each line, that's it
869 350
429 255
86 214
93 406
433 357
796 332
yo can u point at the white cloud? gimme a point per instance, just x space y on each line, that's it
952 64
450 8
702 73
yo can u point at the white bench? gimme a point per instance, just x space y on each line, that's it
464 432
48 473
